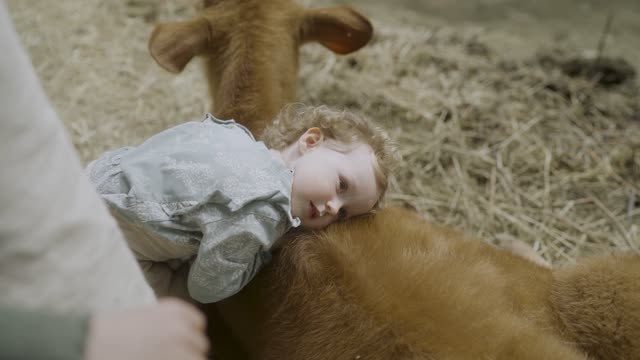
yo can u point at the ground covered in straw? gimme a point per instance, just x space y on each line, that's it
504 147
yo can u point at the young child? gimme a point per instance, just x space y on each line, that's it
207 198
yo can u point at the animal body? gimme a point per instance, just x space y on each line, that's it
393 286
390 285
250 49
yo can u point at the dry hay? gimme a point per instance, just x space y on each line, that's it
501 148
505 149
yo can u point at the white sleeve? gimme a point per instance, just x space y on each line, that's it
59 246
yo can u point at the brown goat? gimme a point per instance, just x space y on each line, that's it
390 285
251 51
393 286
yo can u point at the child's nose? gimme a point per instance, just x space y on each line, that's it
322 209
333 206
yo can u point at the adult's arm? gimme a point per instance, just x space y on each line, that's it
59 246
167 330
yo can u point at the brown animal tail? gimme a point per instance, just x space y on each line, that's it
598 302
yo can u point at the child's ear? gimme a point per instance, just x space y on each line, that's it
310 139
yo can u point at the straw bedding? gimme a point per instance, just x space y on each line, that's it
500 147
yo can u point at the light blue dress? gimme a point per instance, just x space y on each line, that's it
205 189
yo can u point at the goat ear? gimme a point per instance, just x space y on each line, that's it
173 45
340 29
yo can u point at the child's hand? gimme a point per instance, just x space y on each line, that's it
170 329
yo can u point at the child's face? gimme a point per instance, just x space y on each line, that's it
330 185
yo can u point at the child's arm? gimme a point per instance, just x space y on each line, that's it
232 251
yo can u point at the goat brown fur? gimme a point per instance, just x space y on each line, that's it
250 49
393 286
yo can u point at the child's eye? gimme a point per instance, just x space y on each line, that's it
342 213
343 185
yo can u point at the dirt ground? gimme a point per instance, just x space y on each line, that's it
500 137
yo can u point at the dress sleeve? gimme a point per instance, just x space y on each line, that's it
232 251
42 335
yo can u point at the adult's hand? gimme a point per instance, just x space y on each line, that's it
170 329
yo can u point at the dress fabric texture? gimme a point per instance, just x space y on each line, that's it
202 193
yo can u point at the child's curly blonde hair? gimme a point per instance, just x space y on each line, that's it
340 127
